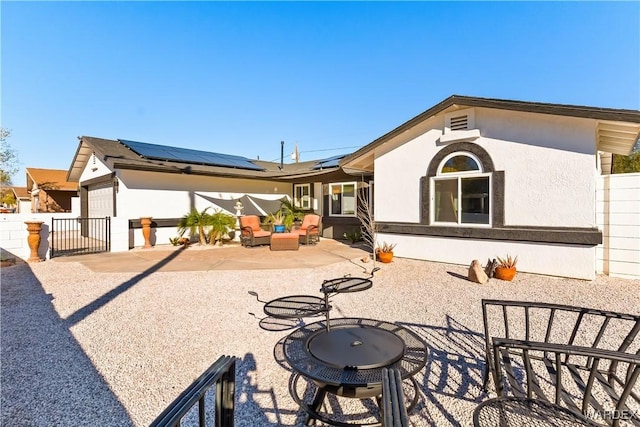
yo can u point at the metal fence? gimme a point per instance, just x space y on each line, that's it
222 376
77 236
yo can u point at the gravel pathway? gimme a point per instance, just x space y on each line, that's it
113 349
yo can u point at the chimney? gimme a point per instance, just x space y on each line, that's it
281 154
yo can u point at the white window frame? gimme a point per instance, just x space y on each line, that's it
459 176
303 203
355 198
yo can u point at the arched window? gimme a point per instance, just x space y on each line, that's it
461 191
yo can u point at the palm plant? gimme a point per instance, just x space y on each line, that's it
292 212
195 222
219 224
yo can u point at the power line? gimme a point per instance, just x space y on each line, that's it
320 150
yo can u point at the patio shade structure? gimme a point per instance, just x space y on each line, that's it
252 205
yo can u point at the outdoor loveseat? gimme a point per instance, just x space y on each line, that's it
560 364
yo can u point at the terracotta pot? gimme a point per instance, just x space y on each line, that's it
34 227
146 230
385 257
503 273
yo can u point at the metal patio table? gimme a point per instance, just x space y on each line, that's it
296 307
346 356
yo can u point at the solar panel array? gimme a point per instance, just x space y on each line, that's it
330 162
185 155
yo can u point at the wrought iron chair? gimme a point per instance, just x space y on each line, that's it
574 365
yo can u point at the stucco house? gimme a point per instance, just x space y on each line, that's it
23 199
129 179
475 178
49 190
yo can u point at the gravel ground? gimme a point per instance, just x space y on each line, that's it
111 349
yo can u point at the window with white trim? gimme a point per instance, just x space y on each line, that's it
461 191
342 199
302 196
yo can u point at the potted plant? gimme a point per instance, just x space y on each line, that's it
276 219
384 252
293 214
506 268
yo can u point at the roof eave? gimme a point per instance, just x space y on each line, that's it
606 114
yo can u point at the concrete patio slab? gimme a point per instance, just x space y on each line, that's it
228 257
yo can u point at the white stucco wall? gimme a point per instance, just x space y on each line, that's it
553 260
544 186
95 168
13 232
550 172
163 195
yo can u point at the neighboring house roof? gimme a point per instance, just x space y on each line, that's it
617 131
50 179
21 193
124 154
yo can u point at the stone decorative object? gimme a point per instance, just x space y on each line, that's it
476 273
34 228
145 221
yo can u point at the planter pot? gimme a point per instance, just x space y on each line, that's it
145 221
280 228
385 257
505 273
33 239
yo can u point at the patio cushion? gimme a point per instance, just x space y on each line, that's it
309 220
253 222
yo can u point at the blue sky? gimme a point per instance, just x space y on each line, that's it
239 77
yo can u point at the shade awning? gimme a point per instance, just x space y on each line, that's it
251 205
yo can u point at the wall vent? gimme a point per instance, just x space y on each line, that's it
460 122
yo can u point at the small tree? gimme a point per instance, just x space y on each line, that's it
627 164
8 163
367 221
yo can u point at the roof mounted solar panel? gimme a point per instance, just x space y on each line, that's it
185 155
330 162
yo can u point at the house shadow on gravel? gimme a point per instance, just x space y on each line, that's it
47 379
454 369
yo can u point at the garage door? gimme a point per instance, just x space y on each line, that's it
100 201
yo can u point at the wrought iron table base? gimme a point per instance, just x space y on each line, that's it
312 410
